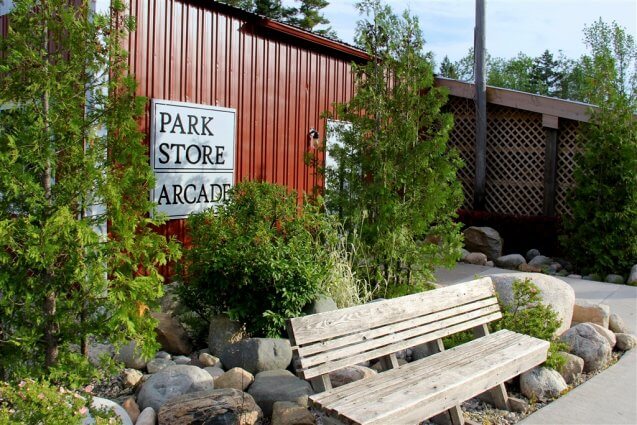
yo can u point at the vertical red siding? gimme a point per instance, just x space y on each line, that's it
192 52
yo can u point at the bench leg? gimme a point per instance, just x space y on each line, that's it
500 397
452 416
321 383
389 362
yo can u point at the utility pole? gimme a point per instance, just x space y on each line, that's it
481 108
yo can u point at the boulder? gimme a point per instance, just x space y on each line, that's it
584 311
485 240
277 385
236 378
511 261
157 364
131 408
320 305
616 324
222 333
531 254
625 342
350 374
171 335
288 413
221 406
108 405
614 278
147 417
585 342
554 293
609 335
131 356
541 261
182 360
130 377
463 254
258 354
214 371
163 355
489 264
476 258
632 277
171 382
594 277
572 368
97 351
208 360
541 383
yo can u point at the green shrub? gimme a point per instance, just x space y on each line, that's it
257 258
30 402
527 315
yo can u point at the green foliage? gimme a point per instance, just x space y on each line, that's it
257 258
601 236
31 402
395 187
72 160
527 315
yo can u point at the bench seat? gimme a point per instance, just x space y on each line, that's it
426 387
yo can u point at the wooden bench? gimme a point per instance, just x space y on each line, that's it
415 391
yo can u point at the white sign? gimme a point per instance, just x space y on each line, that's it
192 155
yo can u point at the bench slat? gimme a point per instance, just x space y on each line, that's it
441 381
411 342
335 343
414 369
412 331
322 326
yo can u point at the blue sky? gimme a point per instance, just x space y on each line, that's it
530 26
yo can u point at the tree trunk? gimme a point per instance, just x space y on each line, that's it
51 329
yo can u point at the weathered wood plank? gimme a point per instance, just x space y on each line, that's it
367 345
321 326
498 394
389 362
426 398
419 369
321 383
382 351
338 342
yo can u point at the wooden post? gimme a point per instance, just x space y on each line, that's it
498 394
481 108
550 124
455 413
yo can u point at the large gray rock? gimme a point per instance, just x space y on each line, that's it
277 385
157 364
131 356
617 325
171 335
97 352
350 374
625 342
584 311
531 254
222 333
476 258
541 383
614 278
572 368
258 354
171 382
554 293
148 416
485 240
632 277
608 334
215 407
511 261
541 261
321 304
585 342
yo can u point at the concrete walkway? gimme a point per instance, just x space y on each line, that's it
611 396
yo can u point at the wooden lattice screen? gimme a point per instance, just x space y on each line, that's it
516 149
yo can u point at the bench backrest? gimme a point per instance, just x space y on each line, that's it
329 341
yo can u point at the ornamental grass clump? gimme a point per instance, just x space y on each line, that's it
259 258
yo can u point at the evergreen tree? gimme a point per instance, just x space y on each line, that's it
395 186
448 69
545 77
309 17
274 9
70 143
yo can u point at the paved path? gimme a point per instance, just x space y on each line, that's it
611 396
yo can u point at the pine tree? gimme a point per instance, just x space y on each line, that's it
395 184
72 160
448 69
545 78
274 9
309 16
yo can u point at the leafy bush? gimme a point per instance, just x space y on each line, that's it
257 258
30 402
527 315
